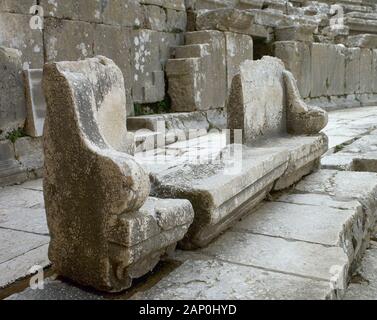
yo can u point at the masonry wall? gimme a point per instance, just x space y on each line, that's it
331 75
136 34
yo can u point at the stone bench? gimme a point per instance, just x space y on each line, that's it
280 145
104 228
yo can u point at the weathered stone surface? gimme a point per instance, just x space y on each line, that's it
363 41
297 222
275 253
364 285
17 34
276 109
219 198
149 53
297 59
261 114
366 75
17 6
29 152
55 290
20 266
12 98
360 155
341 185
91 129
336 71
36 104
18 197
304 154
66 40
301 118
24 219
352 77
295 33
239 48
225 20
11 170
14 243
212 279
199 82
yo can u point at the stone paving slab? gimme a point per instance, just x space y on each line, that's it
20 266
213 279
24 219
278 254
16 243
316 224
345 125
55 290
360 155
18 197
23 231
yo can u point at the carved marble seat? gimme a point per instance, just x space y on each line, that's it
280 145
104 228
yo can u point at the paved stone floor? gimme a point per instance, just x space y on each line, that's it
246 262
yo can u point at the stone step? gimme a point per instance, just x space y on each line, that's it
360 155
311 238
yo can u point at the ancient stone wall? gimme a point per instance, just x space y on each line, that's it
333 69
136 34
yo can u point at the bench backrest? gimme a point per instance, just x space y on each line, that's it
257 102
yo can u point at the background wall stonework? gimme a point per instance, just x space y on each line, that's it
136 34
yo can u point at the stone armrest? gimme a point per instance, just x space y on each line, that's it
127 182
301 118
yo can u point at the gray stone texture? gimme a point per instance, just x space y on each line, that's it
118 234
17 34
12 97
276 109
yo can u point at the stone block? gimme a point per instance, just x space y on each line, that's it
363 41
295 33
320 65
366 67
14 243
209 4
352 77
155 18
256 102
168 4
36 103
239 48
91 135
115 42
19 268
336 70
12 95
311 260
116 12
17 34
11 171
199 83
216 280
66 40
29 152
150 51
297 59
126 13
374 70
232 20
